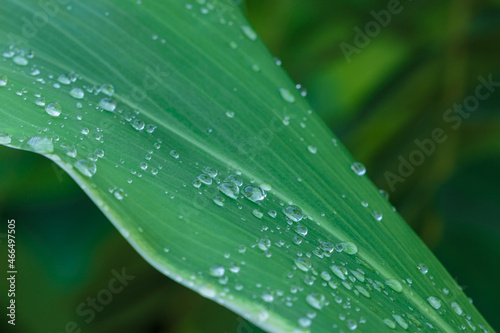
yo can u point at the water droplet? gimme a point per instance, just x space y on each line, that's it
138 124
119 194
107 89
254 193
304 322
303 264
286 95
3 80
217 271
349 248
257 213
351 324
69 150
230 114
316 300
211 172
422 268
312 149
174 154
377 215
395 285
267 297
53 109
301 230
389 323
272 213
339 271
4 138
20 60
249 32
64 79
77 93
434 302
400 321
41 144
456 308
358 168
205 179
196 183
86 167
294 213
108 104
230 190
235 179
264 244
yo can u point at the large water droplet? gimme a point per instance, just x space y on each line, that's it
41 144
64 79
456 308
86 167
254 193
349 248
294 213
286 95
53 109
138 124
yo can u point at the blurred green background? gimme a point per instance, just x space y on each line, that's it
389 93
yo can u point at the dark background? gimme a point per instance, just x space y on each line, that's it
393 91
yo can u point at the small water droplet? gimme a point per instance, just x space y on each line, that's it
351 324
456 308
264 244
294 213
4 138
138 124
69 150
53 109
257 213
422 268
286 95
86 167
254 193
316 300
272 213
205 179
230 114
229 189
108 104
312 149
358 168
377 215
349 247
235 179
394 285
64 79
267 297
3 80
77 93
107 89
301 230
217 271
304 322
20 60
249 32
389 323
434 302
211 172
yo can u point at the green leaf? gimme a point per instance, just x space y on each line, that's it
159 109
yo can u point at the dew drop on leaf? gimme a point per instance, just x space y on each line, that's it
286 95
434 302
294 213
3 80
254 193
86 167
41 144
358 168
53 109
77 93
229 189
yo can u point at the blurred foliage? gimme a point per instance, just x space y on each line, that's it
394 91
